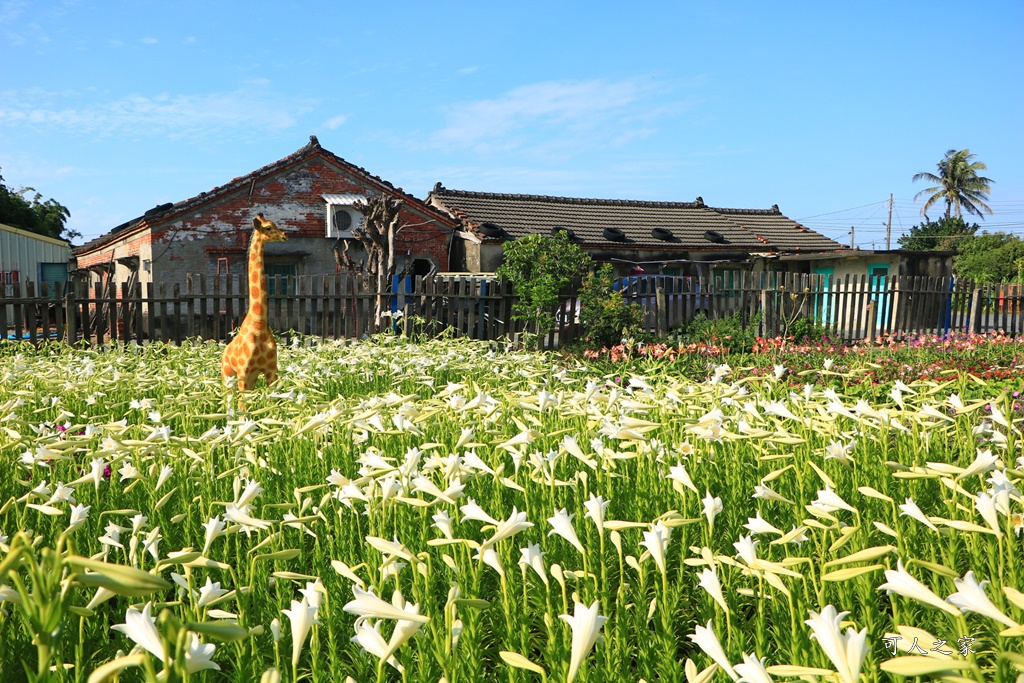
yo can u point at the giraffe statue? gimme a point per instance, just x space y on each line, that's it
253 350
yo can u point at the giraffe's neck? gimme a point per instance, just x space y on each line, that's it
257 280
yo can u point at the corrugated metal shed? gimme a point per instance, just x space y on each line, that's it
23 252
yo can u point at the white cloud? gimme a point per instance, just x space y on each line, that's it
336 122
469 70
173 115
149 40
11 10
556 117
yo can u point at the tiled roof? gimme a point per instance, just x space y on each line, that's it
692 224
168 211
782 233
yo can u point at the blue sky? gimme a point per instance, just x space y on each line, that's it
822 108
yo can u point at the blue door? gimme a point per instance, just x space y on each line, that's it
823 313
879 275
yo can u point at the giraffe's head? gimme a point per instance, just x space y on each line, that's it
269 231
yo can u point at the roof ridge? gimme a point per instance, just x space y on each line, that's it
773 211
442 191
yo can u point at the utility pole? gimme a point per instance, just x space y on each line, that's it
888 225
852 246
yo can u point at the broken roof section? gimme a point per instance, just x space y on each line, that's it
618 223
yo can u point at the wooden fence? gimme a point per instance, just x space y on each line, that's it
850 308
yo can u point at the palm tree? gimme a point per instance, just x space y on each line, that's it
958 183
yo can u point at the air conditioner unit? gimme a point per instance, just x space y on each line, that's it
343 220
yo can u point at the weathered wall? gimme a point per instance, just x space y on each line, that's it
194 242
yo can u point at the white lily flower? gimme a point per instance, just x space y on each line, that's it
983 462
214 528
765 492
443 523
210 592
489 556
138 521
746 550
830 501
152 543
313 593
838 451
846 650
712 506
586 626
102 595
140 627
708 580
79 513
752 670
165 473
337 479
473 511
507 528
62 494
708 642
596 507
970 597
678 473
96 468
533 558
368 605
242 517
561 524
199 656
900 581
656 541
404 628
757 525
986 505
8 594
910 509
302 616
369 637
252 489
128 471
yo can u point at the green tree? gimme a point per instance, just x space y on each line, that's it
958 184
539 267
990 257
604 314
945 234
47 217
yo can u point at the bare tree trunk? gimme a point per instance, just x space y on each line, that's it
381 225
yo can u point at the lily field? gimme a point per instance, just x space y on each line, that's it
457 511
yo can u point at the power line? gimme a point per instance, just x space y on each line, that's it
830 213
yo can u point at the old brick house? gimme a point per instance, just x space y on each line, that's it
310 194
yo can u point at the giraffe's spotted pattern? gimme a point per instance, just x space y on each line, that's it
254 351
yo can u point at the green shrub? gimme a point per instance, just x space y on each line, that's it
605 317
538 267
804 330
728 332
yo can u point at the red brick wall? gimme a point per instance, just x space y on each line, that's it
292 198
